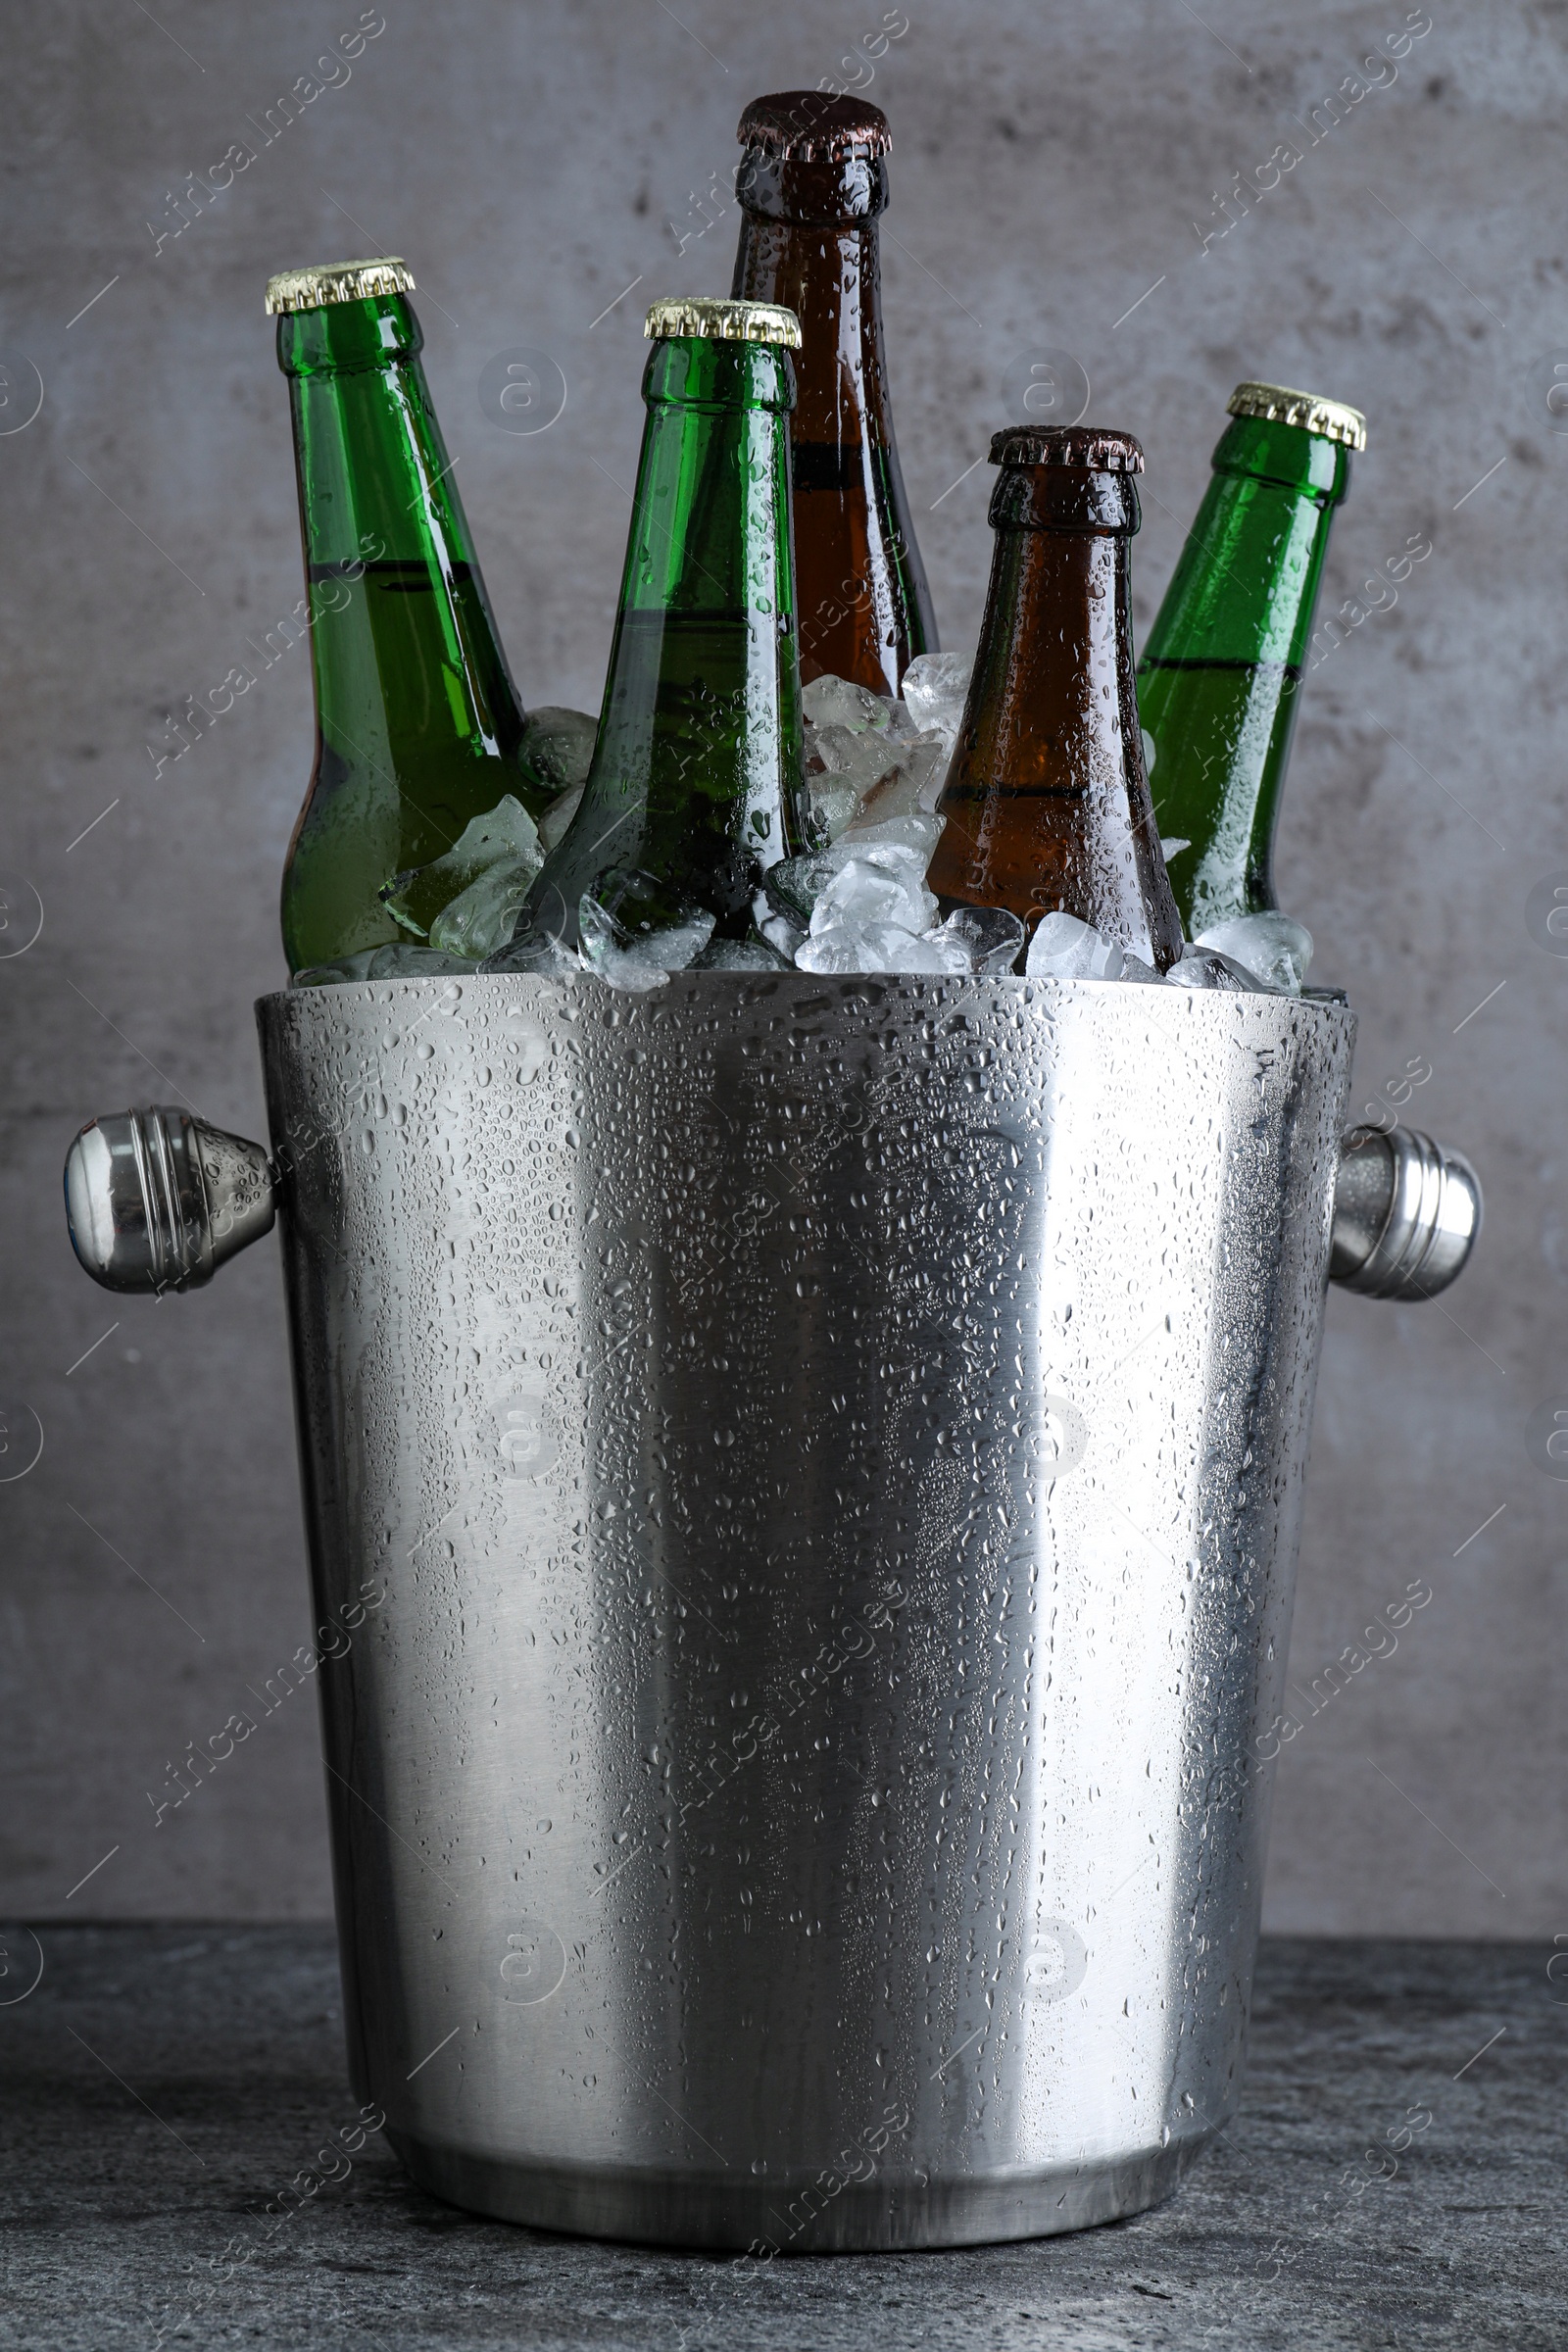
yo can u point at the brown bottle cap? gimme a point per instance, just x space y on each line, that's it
810 127
1088 445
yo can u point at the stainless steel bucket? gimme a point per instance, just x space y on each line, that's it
809 1474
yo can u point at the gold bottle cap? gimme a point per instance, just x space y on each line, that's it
336 281
722 321
1277 404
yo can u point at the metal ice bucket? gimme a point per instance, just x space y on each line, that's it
814 1470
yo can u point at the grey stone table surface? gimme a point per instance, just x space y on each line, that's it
1395 2177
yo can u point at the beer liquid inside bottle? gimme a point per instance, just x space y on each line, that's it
812 185
417 719
1047 802
697 778
1218 682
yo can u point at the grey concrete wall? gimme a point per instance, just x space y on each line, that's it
534 163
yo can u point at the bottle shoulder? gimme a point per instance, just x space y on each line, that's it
1245 580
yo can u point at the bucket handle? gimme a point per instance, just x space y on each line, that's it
157 1199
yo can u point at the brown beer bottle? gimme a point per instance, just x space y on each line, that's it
1047 800
812 180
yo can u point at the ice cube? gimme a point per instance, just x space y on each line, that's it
742 955
793 887
481 919
867 777
1066 949
1173 848
783 935
914 831
411 959
908 789
559 815
1207 967
404 960
636 930
778 930
883 883
859 759
829 702
556 745
869 946
535 947
416 898
934 687
342 969
980 939
1272 946
834 802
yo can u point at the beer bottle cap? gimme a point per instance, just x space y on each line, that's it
1088 445
722 321
1277 404
811 126
336 281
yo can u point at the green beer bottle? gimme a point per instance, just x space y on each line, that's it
1217 684
697 784
417 723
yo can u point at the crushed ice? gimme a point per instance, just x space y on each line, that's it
857 903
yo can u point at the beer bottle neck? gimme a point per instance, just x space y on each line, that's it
809 239
1056 638
372 467
382 520
829 273
1246 579
1218 679
710 511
